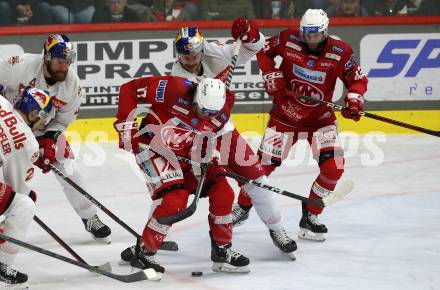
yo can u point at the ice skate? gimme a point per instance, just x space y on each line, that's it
98 229
239 215
283 242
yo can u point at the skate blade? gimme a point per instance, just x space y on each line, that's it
21 286
152 275
291 256
123 263
105 241
225 268
311 236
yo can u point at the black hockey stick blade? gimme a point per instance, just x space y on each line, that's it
129 278
191 209
169 246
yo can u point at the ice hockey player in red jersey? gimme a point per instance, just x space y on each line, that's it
19 150
182 113
311 63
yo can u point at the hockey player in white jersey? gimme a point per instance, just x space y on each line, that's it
52 72
19 150
197 58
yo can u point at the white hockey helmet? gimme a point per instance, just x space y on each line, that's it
210 97
313 21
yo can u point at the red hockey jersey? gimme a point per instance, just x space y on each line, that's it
171 116
310 75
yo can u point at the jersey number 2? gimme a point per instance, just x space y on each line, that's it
30 174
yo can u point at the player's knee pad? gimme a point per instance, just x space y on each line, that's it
172 202
331 164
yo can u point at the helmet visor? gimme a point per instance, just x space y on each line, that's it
205 113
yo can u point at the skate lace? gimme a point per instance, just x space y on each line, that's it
282 236
94 223
148 258
237 213
313 218
232 255
8 270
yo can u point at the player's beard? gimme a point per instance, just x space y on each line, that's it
57 75
193 68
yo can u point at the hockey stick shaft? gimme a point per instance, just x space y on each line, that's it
104 209
379 118
233 63
106 266
333 197
274 189
138 276
58 239
94 201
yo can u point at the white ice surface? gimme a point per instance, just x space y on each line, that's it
384 235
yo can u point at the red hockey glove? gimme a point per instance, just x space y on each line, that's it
127 139
246 30
7 195
214 168
275 84
354 103
47 144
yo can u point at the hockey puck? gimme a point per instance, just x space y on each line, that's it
196 274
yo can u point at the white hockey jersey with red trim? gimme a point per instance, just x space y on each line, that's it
18 148
27 70
217 59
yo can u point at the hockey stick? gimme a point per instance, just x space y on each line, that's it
148 274
379 118
105 267
191 209
140 158
233 62
336 195
166 245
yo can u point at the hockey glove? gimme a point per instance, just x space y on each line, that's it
275 84
246 30
354 103
128 139
47 144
